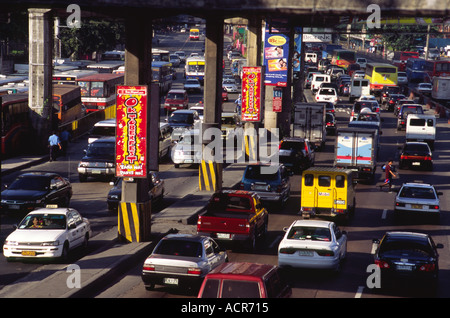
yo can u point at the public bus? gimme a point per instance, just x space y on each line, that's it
162 75
195 68
15 124
71 76
98 91
343 58
380 75
194 34
400 58
67 102
417 69
439 68
105 66
160 55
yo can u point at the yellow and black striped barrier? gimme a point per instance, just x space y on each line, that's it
134 221
208 172
251 147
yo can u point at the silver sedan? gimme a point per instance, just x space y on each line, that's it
182 261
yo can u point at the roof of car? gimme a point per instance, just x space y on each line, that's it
39 174
53 210
190 237
403 234
314 223
417 184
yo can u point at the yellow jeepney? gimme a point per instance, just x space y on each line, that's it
328 192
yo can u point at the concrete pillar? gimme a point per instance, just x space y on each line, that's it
40 93
134 221
254 45
210 173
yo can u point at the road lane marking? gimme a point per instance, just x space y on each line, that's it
359 292
383 216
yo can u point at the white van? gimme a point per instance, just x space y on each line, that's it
421 127
318 79
359 87
104 128
311 58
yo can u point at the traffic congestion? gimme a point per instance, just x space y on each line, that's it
356 207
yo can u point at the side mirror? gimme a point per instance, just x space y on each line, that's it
439 245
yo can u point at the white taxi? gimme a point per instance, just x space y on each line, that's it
49 232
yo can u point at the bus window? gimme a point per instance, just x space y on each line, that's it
84 86
97 89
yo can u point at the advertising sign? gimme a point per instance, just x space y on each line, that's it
276 53
277 101
251 93
131 131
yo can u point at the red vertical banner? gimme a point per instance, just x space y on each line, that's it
131 131
277 101
252 82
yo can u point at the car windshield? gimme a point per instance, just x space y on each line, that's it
192 82
327 91
30 183
175 96
405 248
292 145
368 117
181 118
417 193
230 202
44 222
254 172
179 248
417 147
309 233
101 148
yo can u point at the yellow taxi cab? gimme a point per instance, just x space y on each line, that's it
328 192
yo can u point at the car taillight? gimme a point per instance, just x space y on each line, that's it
382 264
287 250
194 271
434 207
241 185
149 268
427 267
399 204
325 253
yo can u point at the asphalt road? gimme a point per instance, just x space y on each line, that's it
372 219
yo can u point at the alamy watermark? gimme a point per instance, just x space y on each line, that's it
74 19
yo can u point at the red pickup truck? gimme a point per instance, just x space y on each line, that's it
234 216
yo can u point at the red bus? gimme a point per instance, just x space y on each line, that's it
15 124
98 91
439 68
400 58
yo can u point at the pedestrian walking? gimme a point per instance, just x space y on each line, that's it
65 138
54 144
389 171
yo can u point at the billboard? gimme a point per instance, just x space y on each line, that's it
276 54
251 93
131 131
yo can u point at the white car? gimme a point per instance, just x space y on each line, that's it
361 61
401 78
358 74
49 232
424 88
417 198
327 94
366 97
193 85
175 60
181 55
230 86
313 244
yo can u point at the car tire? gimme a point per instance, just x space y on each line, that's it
65 253
82 178
150 287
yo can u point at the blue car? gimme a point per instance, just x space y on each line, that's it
270 181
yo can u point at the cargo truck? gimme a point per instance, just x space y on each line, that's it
309 123
357 149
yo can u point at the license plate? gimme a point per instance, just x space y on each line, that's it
305 253
14 207
223 235
189 161
171 281
416 206
416 163
260 187
101 107
404 267
28 253
96 172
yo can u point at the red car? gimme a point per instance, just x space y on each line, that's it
224 95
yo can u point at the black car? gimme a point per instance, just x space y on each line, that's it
296 154
99 160
409 256
415 155
36 189
156 191
330 122
387 91
392 101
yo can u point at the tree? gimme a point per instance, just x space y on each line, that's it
405 37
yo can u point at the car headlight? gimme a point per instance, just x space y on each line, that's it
83 164
11 243
110 165
114 197
54 243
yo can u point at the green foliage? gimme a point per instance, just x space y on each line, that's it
404 37
93 36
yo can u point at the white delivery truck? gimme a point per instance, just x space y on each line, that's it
357 149
440 91
359 87
421 127
309 123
